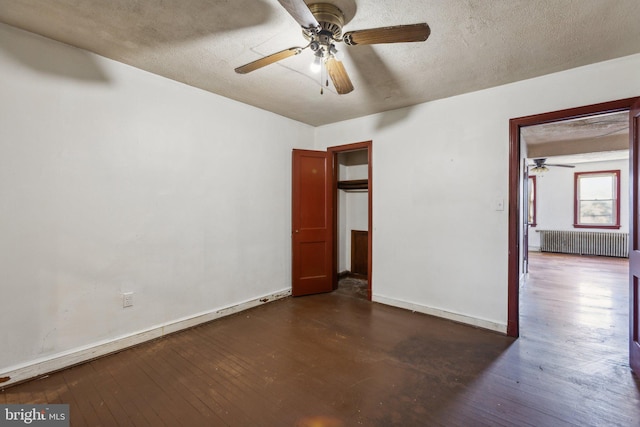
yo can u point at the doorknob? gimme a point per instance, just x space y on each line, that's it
297 231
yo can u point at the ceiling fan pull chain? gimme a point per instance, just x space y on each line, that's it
322 71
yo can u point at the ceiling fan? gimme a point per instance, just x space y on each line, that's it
322 26
540 165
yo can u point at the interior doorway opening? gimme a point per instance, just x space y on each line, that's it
575 262
353 218
352 222
518 244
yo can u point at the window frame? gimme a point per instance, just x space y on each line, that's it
616 194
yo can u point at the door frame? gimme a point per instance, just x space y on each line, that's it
634 243
515 193
333 152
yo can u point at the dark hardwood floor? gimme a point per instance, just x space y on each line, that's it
335 360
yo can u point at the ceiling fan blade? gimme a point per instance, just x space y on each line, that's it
299 10
270 59
339 76
397 34
562 166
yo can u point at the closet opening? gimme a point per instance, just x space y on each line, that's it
352 195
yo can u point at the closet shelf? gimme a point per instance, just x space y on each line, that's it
354 184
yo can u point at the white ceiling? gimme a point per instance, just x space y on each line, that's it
474 44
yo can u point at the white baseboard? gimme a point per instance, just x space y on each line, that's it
473 321
43 366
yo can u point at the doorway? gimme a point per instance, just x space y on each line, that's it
317 250
352 222
575 231
516 201
353 217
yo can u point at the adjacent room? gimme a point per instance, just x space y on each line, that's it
184 186
575 294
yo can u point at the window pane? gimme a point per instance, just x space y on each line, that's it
597 199
596 188
596 212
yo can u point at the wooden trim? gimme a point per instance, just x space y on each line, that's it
354 184
575 113
368 145
513 298
444 314
56 362
350 147
576 177
598 227
634 229
513 271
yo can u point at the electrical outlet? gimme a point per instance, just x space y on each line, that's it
127 299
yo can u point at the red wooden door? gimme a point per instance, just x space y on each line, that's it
634 232
312 222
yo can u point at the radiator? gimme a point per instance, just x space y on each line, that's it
585 243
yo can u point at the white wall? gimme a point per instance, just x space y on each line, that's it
113 179
439 171
354 205
353 212
555 192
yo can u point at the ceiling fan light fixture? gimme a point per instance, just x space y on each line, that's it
337 54
540 169
316 65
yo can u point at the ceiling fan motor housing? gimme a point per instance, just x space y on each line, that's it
331 20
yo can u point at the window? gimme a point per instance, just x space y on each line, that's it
531 219
597 199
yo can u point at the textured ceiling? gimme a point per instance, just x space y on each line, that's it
474 44
595 138
596 126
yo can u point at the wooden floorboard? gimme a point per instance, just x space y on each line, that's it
338 360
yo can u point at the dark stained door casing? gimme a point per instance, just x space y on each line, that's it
312 223
634 233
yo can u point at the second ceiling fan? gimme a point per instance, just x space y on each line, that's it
322 27
540 165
